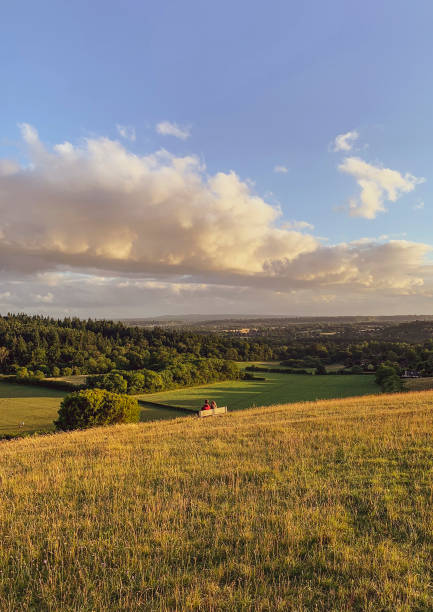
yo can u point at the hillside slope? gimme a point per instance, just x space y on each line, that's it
314 506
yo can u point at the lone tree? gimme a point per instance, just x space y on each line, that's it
96 407
387 377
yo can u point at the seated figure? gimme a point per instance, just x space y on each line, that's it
206 405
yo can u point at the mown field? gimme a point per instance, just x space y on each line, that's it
419 384
27 408
321 506
276 389
37 408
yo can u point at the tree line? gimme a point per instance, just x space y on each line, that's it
39 346
71 346
181 373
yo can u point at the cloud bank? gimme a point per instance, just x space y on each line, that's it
92 226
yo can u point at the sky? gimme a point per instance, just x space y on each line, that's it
241 157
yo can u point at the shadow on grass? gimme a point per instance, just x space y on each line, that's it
158 414
224 395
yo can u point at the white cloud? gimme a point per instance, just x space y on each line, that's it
395 266
281 169
166 128
418 206
298 225
29 134
345 142
97 229
350 277
127 132
44 299
98 203
377 184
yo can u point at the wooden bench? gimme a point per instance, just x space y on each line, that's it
212 411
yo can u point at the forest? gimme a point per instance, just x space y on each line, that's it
73 346
63 347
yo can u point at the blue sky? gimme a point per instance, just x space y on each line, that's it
255 85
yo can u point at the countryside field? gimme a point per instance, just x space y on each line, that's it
312 506
276 389
419 384
37 408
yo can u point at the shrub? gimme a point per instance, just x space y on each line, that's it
22 373
391 384
387 377
249 376
113 382
95 407
180 374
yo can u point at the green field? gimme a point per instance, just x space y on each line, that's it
276 389
419 384
37 408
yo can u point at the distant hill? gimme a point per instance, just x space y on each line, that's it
227 322
194 318
312 506
200 318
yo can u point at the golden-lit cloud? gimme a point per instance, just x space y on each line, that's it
98 203
97 226
377 185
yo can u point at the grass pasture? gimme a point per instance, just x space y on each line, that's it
315 506
37 408
276 389
419 384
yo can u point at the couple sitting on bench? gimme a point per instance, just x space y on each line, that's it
208 406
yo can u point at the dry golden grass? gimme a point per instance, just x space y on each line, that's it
314 506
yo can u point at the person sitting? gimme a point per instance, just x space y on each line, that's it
206 405
213 404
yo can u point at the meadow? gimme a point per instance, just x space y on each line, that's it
323 506
34 406
276 389
37 408
419 384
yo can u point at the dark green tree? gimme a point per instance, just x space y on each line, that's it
96 407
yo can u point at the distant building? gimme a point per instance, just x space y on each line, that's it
411 374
